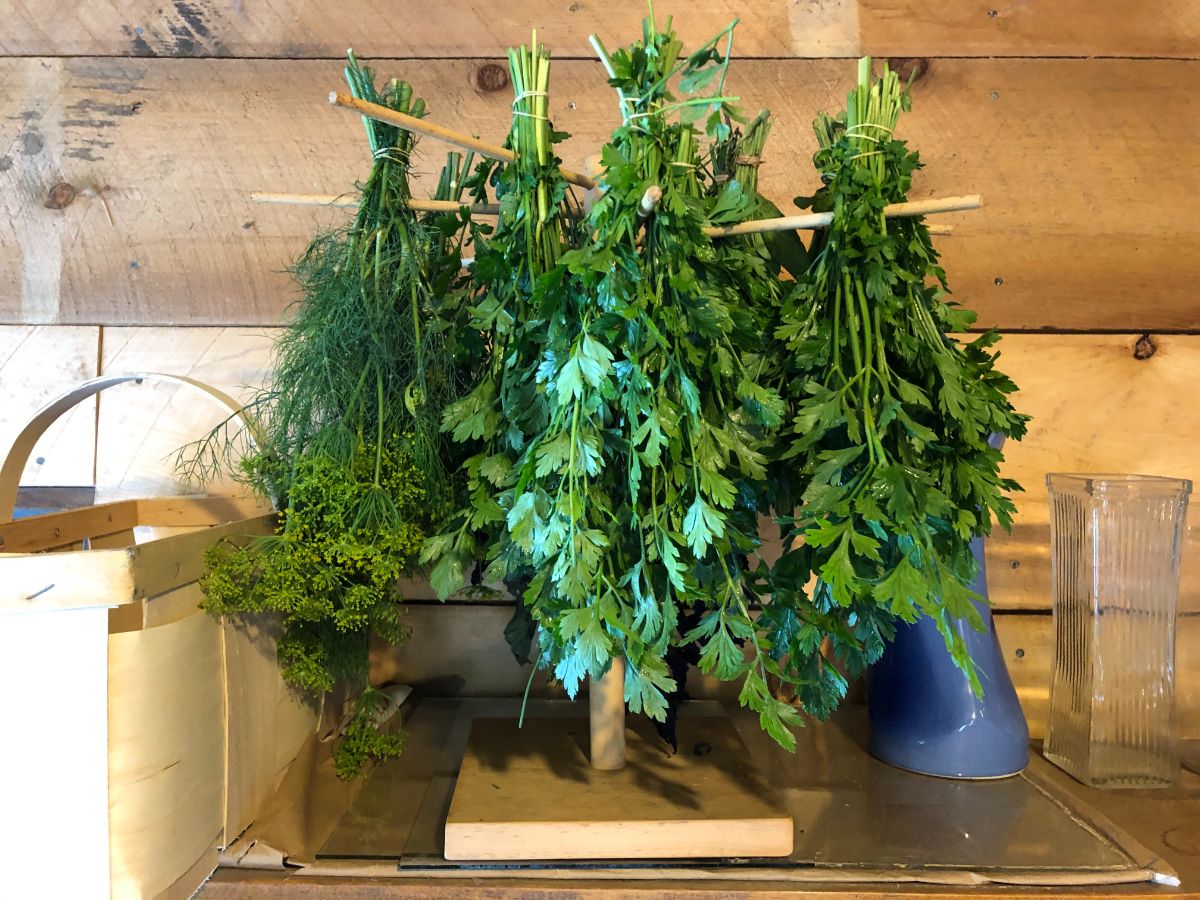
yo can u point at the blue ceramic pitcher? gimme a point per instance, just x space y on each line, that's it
923 714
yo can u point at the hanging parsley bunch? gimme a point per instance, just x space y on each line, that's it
892 415
520 292
638 499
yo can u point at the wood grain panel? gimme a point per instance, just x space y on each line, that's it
1096 407
776 28
38 364
141 426
1076 234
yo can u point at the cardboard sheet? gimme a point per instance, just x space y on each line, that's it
857 819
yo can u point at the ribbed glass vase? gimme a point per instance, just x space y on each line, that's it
1115 545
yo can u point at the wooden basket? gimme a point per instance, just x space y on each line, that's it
140 734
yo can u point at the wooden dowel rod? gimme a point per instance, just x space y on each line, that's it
934 206
650 201
594 168
606 712
285 199
351 200
820 220
432 129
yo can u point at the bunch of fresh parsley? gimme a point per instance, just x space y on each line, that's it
646 393
887 446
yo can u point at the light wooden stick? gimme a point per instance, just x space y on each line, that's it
650 201
821 220
287 199
351 200
647 207
594 169
606 711
423 126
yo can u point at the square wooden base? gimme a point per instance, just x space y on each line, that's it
530 793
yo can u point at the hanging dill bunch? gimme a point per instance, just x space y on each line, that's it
349 446
362 360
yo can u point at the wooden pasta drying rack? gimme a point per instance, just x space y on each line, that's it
533 793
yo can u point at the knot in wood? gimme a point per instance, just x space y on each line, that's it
490 78
60 196
1145 347
910 69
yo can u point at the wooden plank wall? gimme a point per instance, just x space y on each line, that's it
162 155
133 131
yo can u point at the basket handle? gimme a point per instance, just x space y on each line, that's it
22 447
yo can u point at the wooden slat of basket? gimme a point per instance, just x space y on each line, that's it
70 580
172 606
166 751
53 759
58 529
172 512
49 581
266 722
163 565
114 541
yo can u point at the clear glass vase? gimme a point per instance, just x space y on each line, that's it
1115 543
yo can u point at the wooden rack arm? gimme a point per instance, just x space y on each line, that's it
939 205
650 201
646 208
352 200
432 129
290 199
821 220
